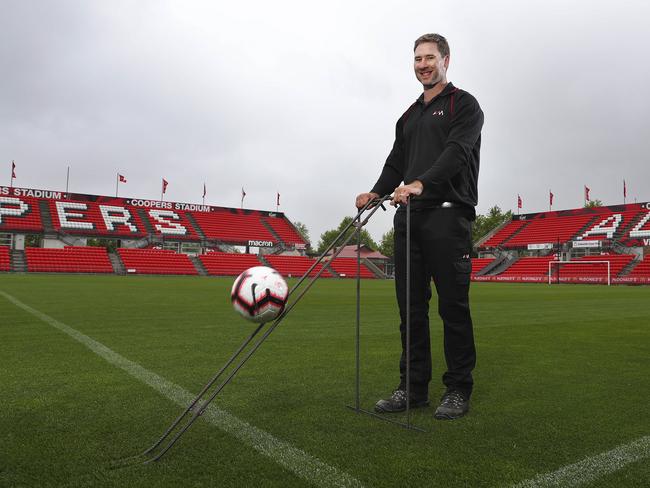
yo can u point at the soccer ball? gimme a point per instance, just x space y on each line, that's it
259 294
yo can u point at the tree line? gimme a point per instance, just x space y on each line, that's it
482 226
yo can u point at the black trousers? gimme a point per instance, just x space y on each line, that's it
441 241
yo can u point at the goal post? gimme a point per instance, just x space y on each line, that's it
559 264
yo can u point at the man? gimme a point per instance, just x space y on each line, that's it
434 166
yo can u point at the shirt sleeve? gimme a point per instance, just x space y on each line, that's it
393 172
464 131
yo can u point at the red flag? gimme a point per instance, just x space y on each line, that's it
519 202
624 189
165 183
204 190
550 198
122 178
277 200
587 190
13 170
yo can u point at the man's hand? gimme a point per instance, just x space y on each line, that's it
364 198
402 193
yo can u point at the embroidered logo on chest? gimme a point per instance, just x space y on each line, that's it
438 113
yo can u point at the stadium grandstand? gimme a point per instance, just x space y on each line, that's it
55 232
50 231
608 244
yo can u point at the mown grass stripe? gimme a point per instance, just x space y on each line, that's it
592 468
281 452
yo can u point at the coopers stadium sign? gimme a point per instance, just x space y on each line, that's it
26 192
169 205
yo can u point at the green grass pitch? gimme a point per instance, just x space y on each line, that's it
563 374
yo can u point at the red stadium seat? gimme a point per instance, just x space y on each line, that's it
347 268
642 269
295 265
282 228
92 218
20 214
68 260
479 263
5 260
156 261
233 226
228 264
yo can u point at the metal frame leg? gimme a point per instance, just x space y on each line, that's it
357 408
209 391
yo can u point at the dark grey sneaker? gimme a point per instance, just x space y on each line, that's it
453 405
397 402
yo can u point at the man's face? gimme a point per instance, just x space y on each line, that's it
430 67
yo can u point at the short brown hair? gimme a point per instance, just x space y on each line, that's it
443 45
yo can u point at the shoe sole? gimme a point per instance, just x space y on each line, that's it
413 405
446 416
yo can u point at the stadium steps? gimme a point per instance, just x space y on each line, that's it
627 269
330 270
118 265
198 265
68 239
18 261
374 268
501 266
197 229
145 221
277 250
621 232
264 261
490 267
586 227
281 243
46 217
505 241
490 234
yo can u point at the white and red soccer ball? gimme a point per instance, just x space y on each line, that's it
259 294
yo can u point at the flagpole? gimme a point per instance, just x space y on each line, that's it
624 192
117 182
11 183
67 179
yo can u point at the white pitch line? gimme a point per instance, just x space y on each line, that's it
591 468
281 452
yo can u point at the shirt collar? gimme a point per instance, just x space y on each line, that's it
449 88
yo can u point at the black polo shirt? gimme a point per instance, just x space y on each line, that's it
439 144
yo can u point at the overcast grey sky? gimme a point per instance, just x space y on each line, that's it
302 98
